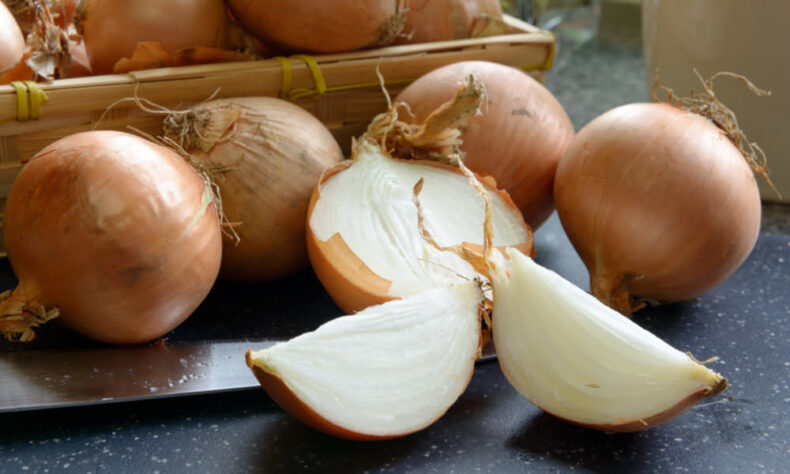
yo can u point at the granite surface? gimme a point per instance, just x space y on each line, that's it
491 429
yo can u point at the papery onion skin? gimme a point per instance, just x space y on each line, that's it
268 161
351 284
445 20
119 233
111 29
658 202
321 26
12 43
518 139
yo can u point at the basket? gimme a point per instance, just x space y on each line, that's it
342 90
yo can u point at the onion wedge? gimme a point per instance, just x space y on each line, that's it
579 360
385 372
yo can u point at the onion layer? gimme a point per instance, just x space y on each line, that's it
266 156
321 26
118 233
518 139
658 202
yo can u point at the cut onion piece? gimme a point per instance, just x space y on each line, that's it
384 372
577 359
364 241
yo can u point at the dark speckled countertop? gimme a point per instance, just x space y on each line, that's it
491 429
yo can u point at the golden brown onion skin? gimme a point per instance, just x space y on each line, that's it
269 167
116 232
320 26
518 139
658 202
12 43
111 29
445 20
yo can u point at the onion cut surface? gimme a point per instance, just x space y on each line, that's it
577 359
364 209
384 372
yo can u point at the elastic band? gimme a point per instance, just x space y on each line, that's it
285 63
548 63
29 97
318 78
37 97
22 110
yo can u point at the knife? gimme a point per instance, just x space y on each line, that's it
40 379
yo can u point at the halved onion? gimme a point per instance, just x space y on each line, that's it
363 237
384 372
577 359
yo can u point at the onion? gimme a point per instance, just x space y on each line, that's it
384 372
519 138
111 29
321 26
266 156
25 11
446 20
12 46
363 234
658 202
118 234
579 360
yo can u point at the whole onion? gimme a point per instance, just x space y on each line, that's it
111 29
265 155
12 45
118 233
446 20
321 26
518 139
658 202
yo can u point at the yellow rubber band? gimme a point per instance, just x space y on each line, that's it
37 97
285 63
318 78
22 110
547 64
29 97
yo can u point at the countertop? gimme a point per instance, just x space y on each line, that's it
491 428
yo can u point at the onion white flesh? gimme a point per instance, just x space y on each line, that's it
369 206
384 372
577 359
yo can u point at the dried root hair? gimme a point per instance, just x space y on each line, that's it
708 105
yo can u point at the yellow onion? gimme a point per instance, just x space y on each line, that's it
658 202
12 47
111 29
364 237
446 20
117 234
321 26
266 156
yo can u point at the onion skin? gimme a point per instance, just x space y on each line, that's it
518 139
117 232
321 26
629 426
12 43
445 20
348 281
111 29
658 202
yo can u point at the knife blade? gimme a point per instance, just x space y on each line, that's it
40 379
